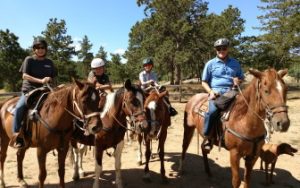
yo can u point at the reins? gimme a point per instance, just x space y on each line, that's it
255 140
83 117
132 116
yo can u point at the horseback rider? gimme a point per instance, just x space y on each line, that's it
149 78
37 70
100 79
220 75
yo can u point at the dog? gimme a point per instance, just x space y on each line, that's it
269 154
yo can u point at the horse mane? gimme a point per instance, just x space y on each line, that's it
240 106
58 95
110 98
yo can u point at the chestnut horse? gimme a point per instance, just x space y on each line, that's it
124 102
159 119
243 136
54 127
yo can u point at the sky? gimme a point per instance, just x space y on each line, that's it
107 23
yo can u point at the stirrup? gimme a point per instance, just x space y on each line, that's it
17 142
206 144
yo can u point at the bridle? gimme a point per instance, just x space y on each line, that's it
270 111
132 115
84 118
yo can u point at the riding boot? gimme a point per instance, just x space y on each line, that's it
16 141
207 143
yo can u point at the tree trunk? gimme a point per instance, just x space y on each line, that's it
177 74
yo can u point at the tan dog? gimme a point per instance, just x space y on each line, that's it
269 154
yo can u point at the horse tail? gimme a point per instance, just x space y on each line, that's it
187 136
1 104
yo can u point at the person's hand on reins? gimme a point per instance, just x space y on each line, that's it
212 95
46 80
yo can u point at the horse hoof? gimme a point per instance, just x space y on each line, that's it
153 156
23 184
81 175
139 163
75 178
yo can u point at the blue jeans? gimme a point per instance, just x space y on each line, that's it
210 117
20 109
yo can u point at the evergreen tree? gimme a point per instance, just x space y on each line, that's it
11 58
281 28
85 56
60 49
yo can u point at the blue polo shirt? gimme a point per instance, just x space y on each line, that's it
219 74
146 76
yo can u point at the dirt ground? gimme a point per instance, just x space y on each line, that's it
287 172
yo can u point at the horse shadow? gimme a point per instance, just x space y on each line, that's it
221 176
193 175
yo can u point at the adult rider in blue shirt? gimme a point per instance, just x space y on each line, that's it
220 75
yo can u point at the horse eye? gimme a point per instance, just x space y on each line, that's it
267 92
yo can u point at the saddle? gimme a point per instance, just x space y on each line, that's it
226 102
34 101
218 130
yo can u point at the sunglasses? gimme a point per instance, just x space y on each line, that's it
40 47
221 48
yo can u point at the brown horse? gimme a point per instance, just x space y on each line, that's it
124 102
54 128
243 136
159 119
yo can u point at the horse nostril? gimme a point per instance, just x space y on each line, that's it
278 124
96 129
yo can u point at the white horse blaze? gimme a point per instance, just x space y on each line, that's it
279 88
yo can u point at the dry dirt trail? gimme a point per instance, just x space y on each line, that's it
287 168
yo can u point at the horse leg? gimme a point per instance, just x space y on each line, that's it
161 147
74 159
249 163
117 155
235 165
187 137
20 158
146 176
82 150
205 160
3 150
98 165
271 172
139 150
62 153
267 173
41 155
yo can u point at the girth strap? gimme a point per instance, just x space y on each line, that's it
255 140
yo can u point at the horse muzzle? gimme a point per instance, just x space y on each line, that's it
280 122
93 128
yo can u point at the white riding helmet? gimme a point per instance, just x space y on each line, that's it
97 62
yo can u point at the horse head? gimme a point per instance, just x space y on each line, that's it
133 105
85 104
271 91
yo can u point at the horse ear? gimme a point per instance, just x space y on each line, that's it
255 73
127 84
78 83
282 73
